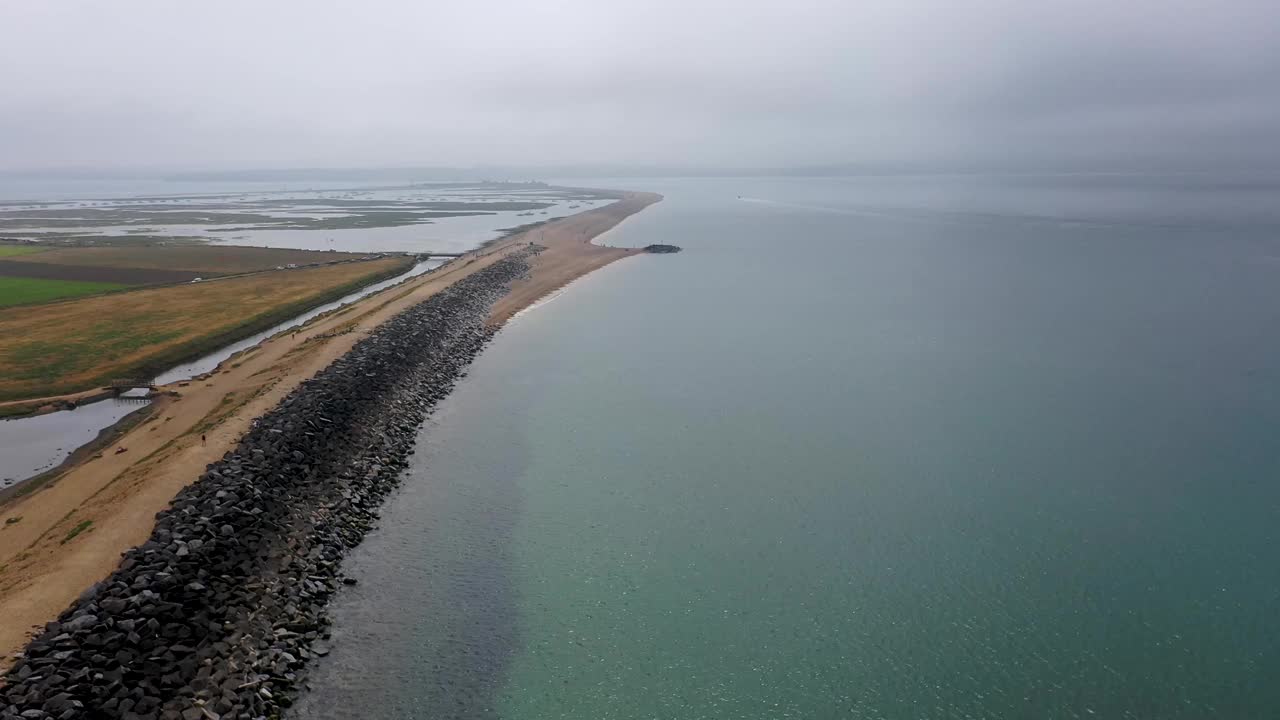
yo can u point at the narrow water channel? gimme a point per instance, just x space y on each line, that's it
202 365
34 444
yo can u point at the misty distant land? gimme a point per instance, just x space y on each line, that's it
1117 164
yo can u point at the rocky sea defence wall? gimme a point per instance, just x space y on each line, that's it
218 613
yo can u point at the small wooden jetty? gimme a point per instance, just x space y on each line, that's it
125 384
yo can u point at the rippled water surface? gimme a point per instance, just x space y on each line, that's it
882 448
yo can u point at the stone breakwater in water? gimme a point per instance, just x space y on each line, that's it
216 615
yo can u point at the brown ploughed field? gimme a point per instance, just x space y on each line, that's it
206 260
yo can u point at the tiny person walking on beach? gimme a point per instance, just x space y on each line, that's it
202 441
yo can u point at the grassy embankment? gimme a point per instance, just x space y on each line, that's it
74 345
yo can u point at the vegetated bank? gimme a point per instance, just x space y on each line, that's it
75 345
219 611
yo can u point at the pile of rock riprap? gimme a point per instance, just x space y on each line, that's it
217 613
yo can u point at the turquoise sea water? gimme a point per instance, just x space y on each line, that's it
869 448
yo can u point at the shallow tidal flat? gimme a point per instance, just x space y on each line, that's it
243 217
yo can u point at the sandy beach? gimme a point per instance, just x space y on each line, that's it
62 538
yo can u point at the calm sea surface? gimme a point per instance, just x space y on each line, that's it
892 448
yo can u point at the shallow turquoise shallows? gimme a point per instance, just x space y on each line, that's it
901 448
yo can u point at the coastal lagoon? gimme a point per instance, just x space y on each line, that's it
906 447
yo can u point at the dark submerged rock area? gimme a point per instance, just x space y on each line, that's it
217 614
659 249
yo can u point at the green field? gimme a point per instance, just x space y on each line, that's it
61 347
12 250
23 291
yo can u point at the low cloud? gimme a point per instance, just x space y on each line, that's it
918 83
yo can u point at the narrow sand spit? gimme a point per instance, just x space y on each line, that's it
66 536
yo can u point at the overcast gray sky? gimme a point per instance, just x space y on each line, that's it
281 83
